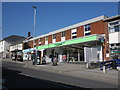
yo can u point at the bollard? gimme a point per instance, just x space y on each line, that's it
87 65
104 69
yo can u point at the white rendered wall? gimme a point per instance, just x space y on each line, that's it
6 48
17 46
46 42
114 37
2 46
54 40
62 38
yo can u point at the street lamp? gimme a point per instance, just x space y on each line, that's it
34 7
34 20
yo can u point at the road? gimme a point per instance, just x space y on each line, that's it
15 75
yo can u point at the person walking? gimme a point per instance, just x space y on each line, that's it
55 61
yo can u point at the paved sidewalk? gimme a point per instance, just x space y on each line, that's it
77 70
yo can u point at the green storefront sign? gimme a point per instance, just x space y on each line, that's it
74 41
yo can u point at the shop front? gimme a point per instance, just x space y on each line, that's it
75 50
16 52
27 53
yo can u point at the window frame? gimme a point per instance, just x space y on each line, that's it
63 34
88 27
111 27
46 38
54 36
73 33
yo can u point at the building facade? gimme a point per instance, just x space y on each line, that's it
114 35
4 49
82 42
5 45
16 51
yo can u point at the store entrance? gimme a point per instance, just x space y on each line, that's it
74 54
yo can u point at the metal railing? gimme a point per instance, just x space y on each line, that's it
111 64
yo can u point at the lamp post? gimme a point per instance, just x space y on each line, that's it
34 7
34 20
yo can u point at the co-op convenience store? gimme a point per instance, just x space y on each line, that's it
83 49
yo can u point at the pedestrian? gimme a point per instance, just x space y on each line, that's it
44 59
64 58
15 57
51 58
55 61
33 58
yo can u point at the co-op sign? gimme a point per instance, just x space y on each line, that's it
16 47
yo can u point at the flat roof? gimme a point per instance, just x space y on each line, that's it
112 18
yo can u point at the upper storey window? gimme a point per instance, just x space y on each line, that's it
114 26
87 30
46 38
74 33
40 40
63 34
54 36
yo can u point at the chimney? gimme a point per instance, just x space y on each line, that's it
29 34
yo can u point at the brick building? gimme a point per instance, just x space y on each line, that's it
114 35
86 41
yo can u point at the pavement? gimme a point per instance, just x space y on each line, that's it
75 70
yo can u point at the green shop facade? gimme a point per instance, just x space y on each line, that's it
82 49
